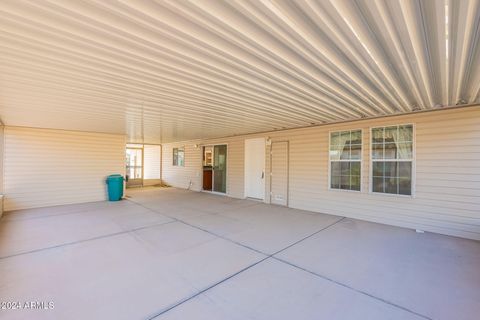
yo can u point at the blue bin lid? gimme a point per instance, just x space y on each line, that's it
115 176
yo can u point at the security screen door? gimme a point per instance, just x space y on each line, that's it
134 167
220 168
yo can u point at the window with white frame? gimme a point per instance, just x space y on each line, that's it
179 157
392 159
346 160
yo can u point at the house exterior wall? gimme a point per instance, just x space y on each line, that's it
190 176
46 167
446 179
2 155
152 164
2 152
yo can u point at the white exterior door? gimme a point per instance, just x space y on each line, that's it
255 168
279 173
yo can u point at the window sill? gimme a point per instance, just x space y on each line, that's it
345 190
412 196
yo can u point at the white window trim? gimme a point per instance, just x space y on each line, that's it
330 162
414 162
173 157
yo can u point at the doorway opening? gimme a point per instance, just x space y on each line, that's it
215 168
134 158
143 165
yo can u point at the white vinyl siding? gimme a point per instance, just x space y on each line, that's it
279 174
46 167
152 161
447 174
152 158
2 155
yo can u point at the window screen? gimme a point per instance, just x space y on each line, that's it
179 157
346 160
392 159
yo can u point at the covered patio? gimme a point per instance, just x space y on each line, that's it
167 253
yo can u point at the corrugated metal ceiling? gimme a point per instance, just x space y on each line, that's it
175 70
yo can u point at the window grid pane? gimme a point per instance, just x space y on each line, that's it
175 156
345 175
179 157
345 160
389 145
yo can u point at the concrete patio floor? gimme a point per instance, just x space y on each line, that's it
175 254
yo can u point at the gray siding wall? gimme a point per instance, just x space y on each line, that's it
447 182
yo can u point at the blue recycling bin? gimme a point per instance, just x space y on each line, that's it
115 187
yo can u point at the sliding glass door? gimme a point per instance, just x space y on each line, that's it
220 168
